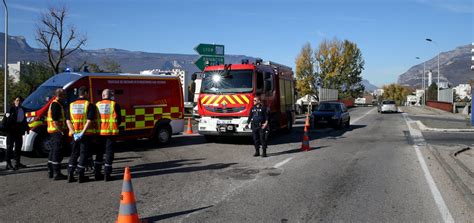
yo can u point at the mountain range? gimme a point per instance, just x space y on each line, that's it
130 61
455 68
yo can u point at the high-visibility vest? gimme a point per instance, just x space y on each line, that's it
49 119
78 114
107 118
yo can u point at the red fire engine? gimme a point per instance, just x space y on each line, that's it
151 106
227 93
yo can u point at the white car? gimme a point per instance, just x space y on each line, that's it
388 106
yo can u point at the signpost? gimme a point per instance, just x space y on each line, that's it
211 54
472 108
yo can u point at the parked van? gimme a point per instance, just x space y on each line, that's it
151 106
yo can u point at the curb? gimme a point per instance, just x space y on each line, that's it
466 192
423 127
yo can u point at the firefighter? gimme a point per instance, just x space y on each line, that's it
79 119
109 121
258 118
16 127
56 128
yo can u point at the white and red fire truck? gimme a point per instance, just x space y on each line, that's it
227 93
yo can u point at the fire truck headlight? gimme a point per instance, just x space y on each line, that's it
216 78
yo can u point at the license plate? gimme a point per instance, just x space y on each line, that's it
224 121
3 142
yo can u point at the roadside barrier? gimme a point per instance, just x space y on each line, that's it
305 143
190 127
128 209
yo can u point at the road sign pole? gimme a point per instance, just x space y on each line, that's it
472 104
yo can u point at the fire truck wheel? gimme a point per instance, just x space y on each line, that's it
163 134
41 148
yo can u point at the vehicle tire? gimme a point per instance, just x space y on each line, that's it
339 125
289 123
163 134
210 138
41 146
348 123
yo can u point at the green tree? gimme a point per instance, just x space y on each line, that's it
10 94
58 39
32 75
94 68
395 92
111 66
432 92
340 66
353 64
305 75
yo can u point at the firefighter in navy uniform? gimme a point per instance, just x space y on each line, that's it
79 120
258 119
56 127
108 127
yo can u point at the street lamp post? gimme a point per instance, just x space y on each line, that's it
423 82
430 40
5 66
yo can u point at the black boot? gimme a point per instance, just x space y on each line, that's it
108 171
70 175
97 172
82 178
19 165
257 152
50 170
9 165
264 152
57 170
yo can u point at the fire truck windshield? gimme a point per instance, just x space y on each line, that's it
227 81
39 98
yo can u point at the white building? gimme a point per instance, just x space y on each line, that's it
463 90
378 92
15 68
413 100
419 93
185 79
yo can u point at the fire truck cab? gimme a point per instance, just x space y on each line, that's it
227 93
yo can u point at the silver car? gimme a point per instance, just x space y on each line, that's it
387 106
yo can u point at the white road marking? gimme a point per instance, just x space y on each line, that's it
359 118
419 141
283 162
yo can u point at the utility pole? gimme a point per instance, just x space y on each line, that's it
5 66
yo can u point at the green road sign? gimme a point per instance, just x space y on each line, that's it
204 61
210 49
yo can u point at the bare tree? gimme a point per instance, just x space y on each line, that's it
58 41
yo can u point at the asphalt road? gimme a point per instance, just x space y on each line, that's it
369 172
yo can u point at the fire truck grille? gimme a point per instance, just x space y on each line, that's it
224 110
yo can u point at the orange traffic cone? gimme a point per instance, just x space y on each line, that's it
190 127
128 209
305 144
